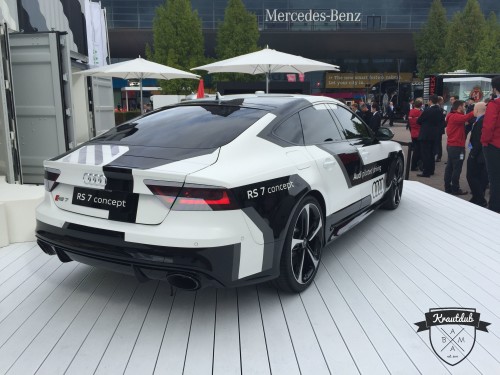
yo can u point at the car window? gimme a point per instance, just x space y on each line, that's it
191 126
352 126
290 130
318 125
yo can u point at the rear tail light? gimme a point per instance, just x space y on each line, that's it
204 198
192 197
166 192
50 177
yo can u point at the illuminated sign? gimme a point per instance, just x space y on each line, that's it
361 80
310 15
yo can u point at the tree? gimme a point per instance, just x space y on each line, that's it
488 54
430 41
466 30
177 42
237 35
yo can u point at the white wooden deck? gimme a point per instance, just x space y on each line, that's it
374 283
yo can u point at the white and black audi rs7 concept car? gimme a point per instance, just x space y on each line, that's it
226 192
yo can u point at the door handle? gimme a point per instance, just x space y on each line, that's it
329 163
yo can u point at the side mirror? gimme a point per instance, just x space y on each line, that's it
384 134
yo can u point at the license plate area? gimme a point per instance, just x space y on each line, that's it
121 206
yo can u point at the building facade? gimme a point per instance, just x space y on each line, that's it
361 36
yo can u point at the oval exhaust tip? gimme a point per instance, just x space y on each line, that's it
185 282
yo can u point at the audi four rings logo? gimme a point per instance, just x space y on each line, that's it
94 179
378 188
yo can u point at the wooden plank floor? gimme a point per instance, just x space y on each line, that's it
374 283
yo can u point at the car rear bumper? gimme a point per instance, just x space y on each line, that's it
225 248
210 266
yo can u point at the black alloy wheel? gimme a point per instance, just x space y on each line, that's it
395 192
302 250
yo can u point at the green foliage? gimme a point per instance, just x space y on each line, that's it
430 40
467 42
177 42
466 30
488 54
237 35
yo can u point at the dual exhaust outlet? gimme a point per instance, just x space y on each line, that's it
178 280
183 281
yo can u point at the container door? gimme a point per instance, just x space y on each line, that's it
43 108
10 165
103 107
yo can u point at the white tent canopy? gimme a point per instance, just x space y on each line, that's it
267 61
138 68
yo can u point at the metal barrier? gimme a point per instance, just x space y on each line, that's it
408 157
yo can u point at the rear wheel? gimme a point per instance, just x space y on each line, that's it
302 249
394 194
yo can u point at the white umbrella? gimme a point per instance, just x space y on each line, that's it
267 61
138 69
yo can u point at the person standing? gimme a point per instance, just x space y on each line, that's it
477 176
455 130
430 122
490 139
468 109
355 109
376 118
438 145
413 116
406 108
389 112
366 113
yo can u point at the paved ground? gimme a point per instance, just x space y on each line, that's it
436 181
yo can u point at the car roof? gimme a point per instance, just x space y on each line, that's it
275 103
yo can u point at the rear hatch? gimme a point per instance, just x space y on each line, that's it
132 172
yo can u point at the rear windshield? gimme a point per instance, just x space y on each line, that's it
200 126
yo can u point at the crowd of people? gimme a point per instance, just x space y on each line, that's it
148 107
482 121
370 113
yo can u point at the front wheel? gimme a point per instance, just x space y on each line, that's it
395 192
302 248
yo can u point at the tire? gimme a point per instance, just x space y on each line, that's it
302 248
393 197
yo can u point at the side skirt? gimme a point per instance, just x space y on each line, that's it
340 227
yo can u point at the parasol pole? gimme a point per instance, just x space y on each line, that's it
140 85
267 74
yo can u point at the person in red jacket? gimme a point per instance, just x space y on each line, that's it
413 115
455 146
490 139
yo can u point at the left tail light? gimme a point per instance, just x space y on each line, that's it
166 192
50 178
204 198
192 197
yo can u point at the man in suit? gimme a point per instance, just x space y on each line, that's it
366 113
376 118
430 121
389 112
477 175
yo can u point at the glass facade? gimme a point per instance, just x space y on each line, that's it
299 15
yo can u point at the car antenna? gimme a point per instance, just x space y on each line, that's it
218 97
